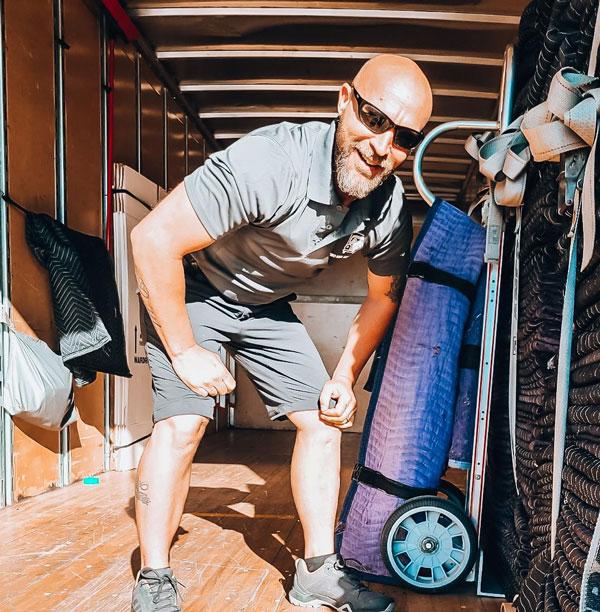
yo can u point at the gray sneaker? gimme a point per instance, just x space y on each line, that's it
155 590
332 585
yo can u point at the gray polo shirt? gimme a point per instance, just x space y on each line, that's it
268 201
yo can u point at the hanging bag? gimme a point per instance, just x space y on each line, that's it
37 386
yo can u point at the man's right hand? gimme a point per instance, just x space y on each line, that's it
203 372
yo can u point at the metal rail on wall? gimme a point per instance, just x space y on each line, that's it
494 240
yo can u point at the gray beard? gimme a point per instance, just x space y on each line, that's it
348 181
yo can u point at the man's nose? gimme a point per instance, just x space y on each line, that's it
382 143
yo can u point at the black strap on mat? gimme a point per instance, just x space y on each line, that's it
375 479
469 357
431 274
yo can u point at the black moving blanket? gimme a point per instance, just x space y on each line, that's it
85 299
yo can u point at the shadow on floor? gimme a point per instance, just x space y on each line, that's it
269 533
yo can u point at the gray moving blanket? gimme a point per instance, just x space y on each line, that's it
408 429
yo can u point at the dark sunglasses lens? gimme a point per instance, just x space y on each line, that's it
373 119
406 138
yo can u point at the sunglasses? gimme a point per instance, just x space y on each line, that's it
371 117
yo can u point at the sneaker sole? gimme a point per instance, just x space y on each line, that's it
307 601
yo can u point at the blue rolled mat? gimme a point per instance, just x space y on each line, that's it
461 451
408 427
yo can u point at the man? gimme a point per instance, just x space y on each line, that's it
216 262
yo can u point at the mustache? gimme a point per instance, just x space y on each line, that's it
385 161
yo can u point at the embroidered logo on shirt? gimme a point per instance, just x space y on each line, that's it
355 243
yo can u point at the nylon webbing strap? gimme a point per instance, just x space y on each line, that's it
512 366
373 478
431 274
562 383
566 328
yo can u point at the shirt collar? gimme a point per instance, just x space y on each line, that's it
321 186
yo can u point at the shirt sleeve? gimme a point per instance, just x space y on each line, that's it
389 255
242 184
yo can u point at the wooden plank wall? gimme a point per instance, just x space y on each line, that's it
196 150
29 45
31 171
153 129
125 107
83 98
175 144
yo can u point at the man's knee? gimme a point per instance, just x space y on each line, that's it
308 422
182 432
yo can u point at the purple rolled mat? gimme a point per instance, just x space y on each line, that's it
408 428
461 450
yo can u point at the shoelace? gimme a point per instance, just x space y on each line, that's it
161 588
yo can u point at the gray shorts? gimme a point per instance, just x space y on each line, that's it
268 341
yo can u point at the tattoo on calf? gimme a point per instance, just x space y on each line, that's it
141 492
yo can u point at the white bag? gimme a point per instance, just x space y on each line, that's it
38 387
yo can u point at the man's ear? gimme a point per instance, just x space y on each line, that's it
344 97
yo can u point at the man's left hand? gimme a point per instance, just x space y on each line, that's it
338 391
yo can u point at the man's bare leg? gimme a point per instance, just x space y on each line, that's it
319 578
162 484
315 475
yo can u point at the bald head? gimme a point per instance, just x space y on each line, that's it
364 157
398 87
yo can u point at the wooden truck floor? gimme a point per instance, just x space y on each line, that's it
76 548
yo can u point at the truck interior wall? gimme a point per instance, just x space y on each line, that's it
196 150
30 112
175 144
31 171
83 96
125 107
153 126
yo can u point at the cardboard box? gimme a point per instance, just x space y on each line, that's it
133 198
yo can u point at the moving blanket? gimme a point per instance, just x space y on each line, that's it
409 421
461 450
84 295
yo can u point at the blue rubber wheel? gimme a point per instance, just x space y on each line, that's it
429 544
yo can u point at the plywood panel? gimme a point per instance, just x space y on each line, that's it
152 127
175 144
124 107
35 453
31 133
195 150
35 459
30 287
84 199
86 436
29 39
83 118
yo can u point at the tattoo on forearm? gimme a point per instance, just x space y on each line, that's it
142 285
145 295
396 289
141 492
